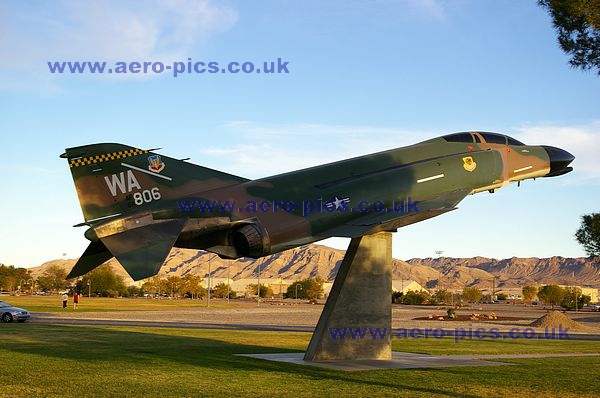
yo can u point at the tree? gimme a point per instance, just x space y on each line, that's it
134 291
584 299
295 290
308 289
174 285
155 285
11 278
416 297
472 294
220 291
570 297
577 23
573 295
265 291
588 234
442 296
312 288
192 286
551 294
529 293
54 278
104 282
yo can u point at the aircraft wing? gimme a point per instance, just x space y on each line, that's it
390 221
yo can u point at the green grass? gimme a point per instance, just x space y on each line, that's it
80 361
99 304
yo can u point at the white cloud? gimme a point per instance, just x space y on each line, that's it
582 140
106 30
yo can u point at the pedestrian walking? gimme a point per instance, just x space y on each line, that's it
65 300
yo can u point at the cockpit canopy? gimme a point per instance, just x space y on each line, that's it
475 137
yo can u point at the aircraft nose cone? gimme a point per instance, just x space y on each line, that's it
559 161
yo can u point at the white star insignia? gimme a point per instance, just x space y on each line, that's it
338 203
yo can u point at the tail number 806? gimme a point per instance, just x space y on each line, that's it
146 196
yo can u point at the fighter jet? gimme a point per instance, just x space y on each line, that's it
138 204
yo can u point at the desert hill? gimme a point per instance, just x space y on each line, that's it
317 260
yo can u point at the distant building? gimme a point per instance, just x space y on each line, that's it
588 291
517 292
511 293
404 285
240 286
592 292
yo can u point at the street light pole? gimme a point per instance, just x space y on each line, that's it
208 285
576 292
258 287
228 269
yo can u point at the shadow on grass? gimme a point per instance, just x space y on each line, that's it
210 350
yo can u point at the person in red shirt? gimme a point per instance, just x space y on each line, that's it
75 300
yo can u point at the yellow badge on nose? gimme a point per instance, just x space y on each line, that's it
469 163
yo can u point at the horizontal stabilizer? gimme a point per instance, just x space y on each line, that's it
142 251
95 255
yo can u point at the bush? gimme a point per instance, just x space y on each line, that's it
220 291
309 288
551 294
472 294
441 296
451 313
416 297
265 291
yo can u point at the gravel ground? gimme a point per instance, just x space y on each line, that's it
305 316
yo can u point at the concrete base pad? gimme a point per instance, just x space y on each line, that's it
405 360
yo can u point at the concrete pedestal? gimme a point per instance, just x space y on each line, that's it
360 298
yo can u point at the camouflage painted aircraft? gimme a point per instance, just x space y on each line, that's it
139 204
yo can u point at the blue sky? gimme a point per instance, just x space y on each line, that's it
364 76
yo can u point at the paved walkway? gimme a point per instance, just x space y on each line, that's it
407 360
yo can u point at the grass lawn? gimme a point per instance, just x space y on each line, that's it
82 361
99 304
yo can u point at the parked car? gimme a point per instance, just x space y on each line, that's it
8 313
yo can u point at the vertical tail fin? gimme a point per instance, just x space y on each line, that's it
113 179
119 187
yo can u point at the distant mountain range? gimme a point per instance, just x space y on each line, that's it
317 260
